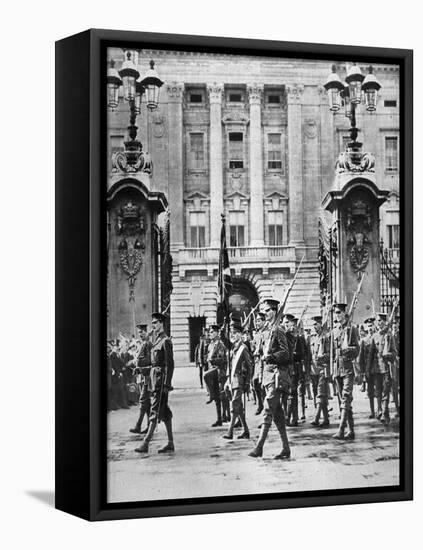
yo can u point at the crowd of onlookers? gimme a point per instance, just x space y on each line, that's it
123 377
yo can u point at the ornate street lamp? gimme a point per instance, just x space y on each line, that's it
113 84
134 88
356 85
370 88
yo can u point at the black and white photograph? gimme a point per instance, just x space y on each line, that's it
253 274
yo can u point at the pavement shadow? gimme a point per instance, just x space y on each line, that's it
46 497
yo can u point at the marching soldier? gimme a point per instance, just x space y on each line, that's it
215 377
258 360
162 367
298 347
143 370
366 369
201 355
319 362
239 376
381 353
276 360
345 350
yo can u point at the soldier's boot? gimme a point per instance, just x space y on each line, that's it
316 421
219 414
294 421
259 403
137 428
303 407
341 429
286 451
143 448
246 432
386 418
289 413
350 419
379 408
169 447
372 407
325 412
230 433
258 449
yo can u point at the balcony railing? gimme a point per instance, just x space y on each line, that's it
239 254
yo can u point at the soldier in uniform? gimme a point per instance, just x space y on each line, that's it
215 377
298 347
201 355
162 367
276 360
238 382
365 368
381 354
318 346
143 369
345 341
257 350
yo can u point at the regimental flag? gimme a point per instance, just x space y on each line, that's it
224 275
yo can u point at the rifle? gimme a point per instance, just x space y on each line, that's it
282 305
353 305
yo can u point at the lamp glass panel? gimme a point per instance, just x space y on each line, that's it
129 87
371 98
355 91
334 99
112 96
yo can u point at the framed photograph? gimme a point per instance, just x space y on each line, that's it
234 274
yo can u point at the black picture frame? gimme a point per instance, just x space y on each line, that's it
80 286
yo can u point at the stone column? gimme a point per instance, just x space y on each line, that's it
176 188
295 165
256 167
216 163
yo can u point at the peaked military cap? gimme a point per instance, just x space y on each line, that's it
273 304
381 315
317 319
159 316
214 327
340 306
236 326
369 320
141 327
235 320
290 317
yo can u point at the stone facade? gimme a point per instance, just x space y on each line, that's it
253 138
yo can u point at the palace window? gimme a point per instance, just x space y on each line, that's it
275 226
236 150
390 103
237 228
393 236
274 152
197 223
196 151
391 154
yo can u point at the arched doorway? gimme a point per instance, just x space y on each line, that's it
242 300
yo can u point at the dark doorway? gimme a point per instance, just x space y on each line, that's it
196 325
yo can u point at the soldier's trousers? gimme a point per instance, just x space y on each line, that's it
370 379
159 409
314 378
322 390
237 406
344 388
211 379
145 400
273 407
383 387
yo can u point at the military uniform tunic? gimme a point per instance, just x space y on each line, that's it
162 367
345 350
